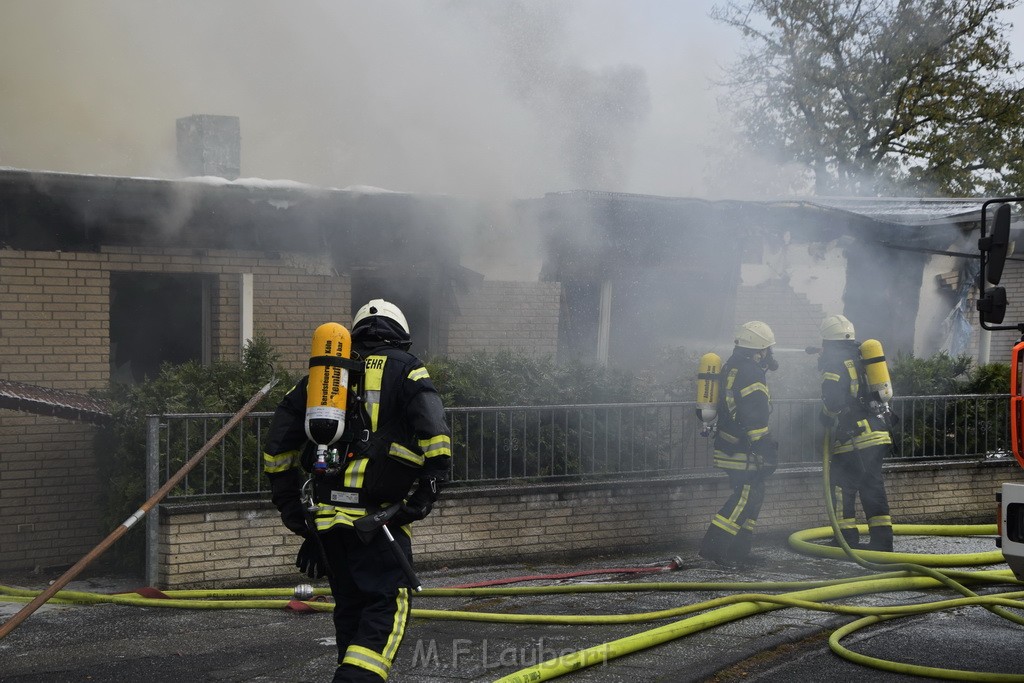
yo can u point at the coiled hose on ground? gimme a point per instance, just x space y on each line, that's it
688 619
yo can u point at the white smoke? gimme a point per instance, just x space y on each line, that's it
509 99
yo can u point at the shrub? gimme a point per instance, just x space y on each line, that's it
540 442
120 447
953 425
506 378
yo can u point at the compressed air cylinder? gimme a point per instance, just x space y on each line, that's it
707 387
327 388
876 369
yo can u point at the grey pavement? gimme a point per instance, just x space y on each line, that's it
108 643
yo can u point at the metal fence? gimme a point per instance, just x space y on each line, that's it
578 442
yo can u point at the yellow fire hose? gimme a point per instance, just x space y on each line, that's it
813 595
915 576
896 572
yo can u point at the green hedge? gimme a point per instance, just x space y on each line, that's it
484 379
955 425
120 447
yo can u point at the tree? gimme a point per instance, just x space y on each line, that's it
881 97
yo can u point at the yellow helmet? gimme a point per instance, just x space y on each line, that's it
754 335
383 308
836 328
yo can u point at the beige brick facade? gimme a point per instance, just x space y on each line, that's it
792 317
1002 342
517 316
477 526
49 490
55 333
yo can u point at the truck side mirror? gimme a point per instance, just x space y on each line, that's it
996 245
992 306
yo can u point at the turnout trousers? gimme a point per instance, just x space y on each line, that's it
371 596
731 532
859 473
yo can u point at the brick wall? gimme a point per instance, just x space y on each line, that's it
55 319
518 316
1002 342
292 294
55 333
229 544
49 490
792 317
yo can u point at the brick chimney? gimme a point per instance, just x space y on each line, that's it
210 145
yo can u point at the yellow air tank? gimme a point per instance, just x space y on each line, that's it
327 387
876 369
707 388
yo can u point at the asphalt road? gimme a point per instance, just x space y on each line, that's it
123 644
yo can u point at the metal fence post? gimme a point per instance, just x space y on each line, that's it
152 485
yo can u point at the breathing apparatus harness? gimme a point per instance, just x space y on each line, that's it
320 461
713 406
351 439
873 388
357 441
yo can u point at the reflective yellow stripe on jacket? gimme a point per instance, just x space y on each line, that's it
282 462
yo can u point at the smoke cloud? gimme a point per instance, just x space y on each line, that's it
505 99
494 101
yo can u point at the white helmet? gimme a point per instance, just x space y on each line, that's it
384 309
754 335
836 328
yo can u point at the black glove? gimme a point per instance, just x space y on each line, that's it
847 432
767 457
828 421
420 503
310 560
293 514
410 512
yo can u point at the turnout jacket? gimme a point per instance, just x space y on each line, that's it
398 436
743 440
845 401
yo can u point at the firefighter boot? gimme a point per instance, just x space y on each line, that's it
739 554
851 536
714 544
881 539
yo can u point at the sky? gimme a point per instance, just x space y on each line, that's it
496 99
458 97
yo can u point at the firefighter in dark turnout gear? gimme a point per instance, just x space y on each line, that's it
859 436
396 441
744 446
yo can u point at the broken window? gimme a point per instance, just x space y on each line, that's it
413 295
158 318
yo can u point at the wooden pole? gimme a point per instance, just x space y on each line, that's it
127 524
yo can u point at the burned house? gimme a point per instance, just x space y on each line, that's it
105 278
642 274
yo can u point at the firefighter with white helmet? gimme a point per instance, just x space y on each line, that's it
857 418
395 455
744 446
837 328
